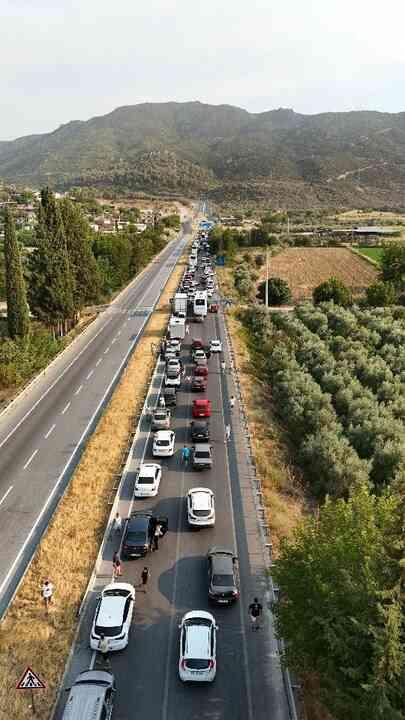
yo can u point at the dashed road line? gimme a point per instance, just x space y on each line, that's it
79 389
107 350
98 362
89 375
6 494
30 459
51 429
66 408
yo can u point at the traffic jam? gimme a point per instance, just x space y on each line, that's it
187 360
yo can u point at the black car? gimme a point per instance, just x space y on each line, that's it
200 431
139 532
222 576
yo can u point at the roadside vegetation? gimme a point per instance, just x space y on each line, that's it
28 632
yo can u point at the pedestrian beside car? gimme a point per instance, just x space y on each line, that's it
145 575
117 567
223 365
255 612
156 535
232 401
187 329
117 523
103 649
47 594
162 402
227 433
185 455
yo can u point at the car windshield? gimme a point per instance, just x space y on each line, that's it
197 664
160 416
162 443
222 580
137 536
203 454
108 631
145 480
116 592
201 513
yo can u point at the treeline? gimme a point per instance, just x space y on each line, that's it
67 267
337 380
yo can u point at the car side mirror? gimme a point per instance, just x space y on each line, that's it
68 689
216 627
179 626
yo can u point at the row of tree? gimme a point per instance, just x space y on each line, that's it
68 266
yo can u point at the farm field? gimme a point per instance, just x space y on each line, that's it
305 268
374 253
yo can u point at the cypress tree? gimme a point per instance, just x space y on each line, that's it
17 308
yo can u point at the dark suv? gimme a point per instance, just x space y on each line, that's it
200 431
222 575
139 532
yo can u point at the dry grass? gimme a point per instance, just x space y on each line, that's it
28 636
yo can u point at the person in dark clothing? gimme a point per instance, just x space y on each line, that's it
255 612
145 574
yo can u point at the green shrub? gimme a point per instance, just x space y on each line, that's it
381 294
332 289
279 292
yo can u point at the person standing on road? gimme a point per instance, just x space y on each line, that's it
117 523
47 594
223 365
255 612
103 649
232 400
145 575
187 329
162 402
117 568
227 433
156 535
185 455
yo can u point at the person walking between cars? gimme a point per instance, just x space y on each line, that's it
232 402
145 574
156 535
185 454
187 329
47 593
227 433
117 567
103 649
255 611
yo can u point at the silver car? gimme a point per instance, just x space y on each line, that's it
91 696
161 419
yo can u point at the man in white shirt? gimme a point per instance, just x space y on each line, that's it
47 593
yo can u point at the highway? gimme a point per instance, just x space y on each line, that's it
43 433
249 683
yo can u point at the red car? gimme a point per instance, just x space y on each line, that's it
214 307
198 384
201 371
197 344
201 408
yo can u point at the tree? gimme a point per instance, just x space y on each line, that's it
17 308
51 281
381 294
278 289
339 610
332 289
393 264
83 264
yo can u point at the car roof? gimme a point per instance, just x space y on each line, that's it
111 611
148 469
201 401
163 434
201 498
87 696
222 564
200 423
198 642
202 446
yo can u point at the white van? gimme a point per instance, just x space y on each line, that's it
200 305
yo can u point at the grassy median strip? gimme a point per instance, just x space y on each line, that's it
66 556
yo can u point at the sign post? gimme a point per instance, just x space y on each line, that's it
29 680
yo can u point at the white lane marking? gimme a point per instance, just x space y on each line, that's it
48 390
107 350
30 459
65 408
125 323
98 362
6 494
89 375
118 333
79 389
51 429
68 463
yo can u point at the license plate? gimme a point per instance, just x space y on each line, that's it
223 601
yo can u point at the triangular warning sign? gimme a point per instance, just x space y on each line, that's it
29 680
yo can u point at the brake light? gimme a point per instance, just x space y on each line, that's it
183 664
211 664
235 593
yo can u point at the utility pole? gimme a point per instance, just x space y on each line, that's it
266 300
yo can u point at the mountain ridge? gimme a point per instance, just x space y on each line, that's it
193 148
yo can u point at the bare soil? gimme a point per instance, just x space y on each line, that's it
305 268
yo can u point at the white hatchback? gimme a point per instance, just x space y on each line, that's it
216 346
200 507
113 616
172 381
198 647
148 480
163 443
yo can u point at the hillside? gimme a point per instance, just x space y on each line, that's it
335 159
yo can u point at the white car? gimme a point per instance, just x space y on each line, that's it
199 355
174 343
148 480
200 507
113 616
216 346
197 661
163 443
173 381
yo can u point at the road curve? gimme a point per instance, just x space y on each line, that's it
43 433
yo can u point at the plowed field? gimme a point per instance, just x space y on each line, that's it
305 268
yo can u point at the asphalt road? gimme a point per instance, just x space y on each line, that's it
249 683
43 433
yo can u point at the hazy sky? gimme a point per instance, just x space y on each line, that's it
63 59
